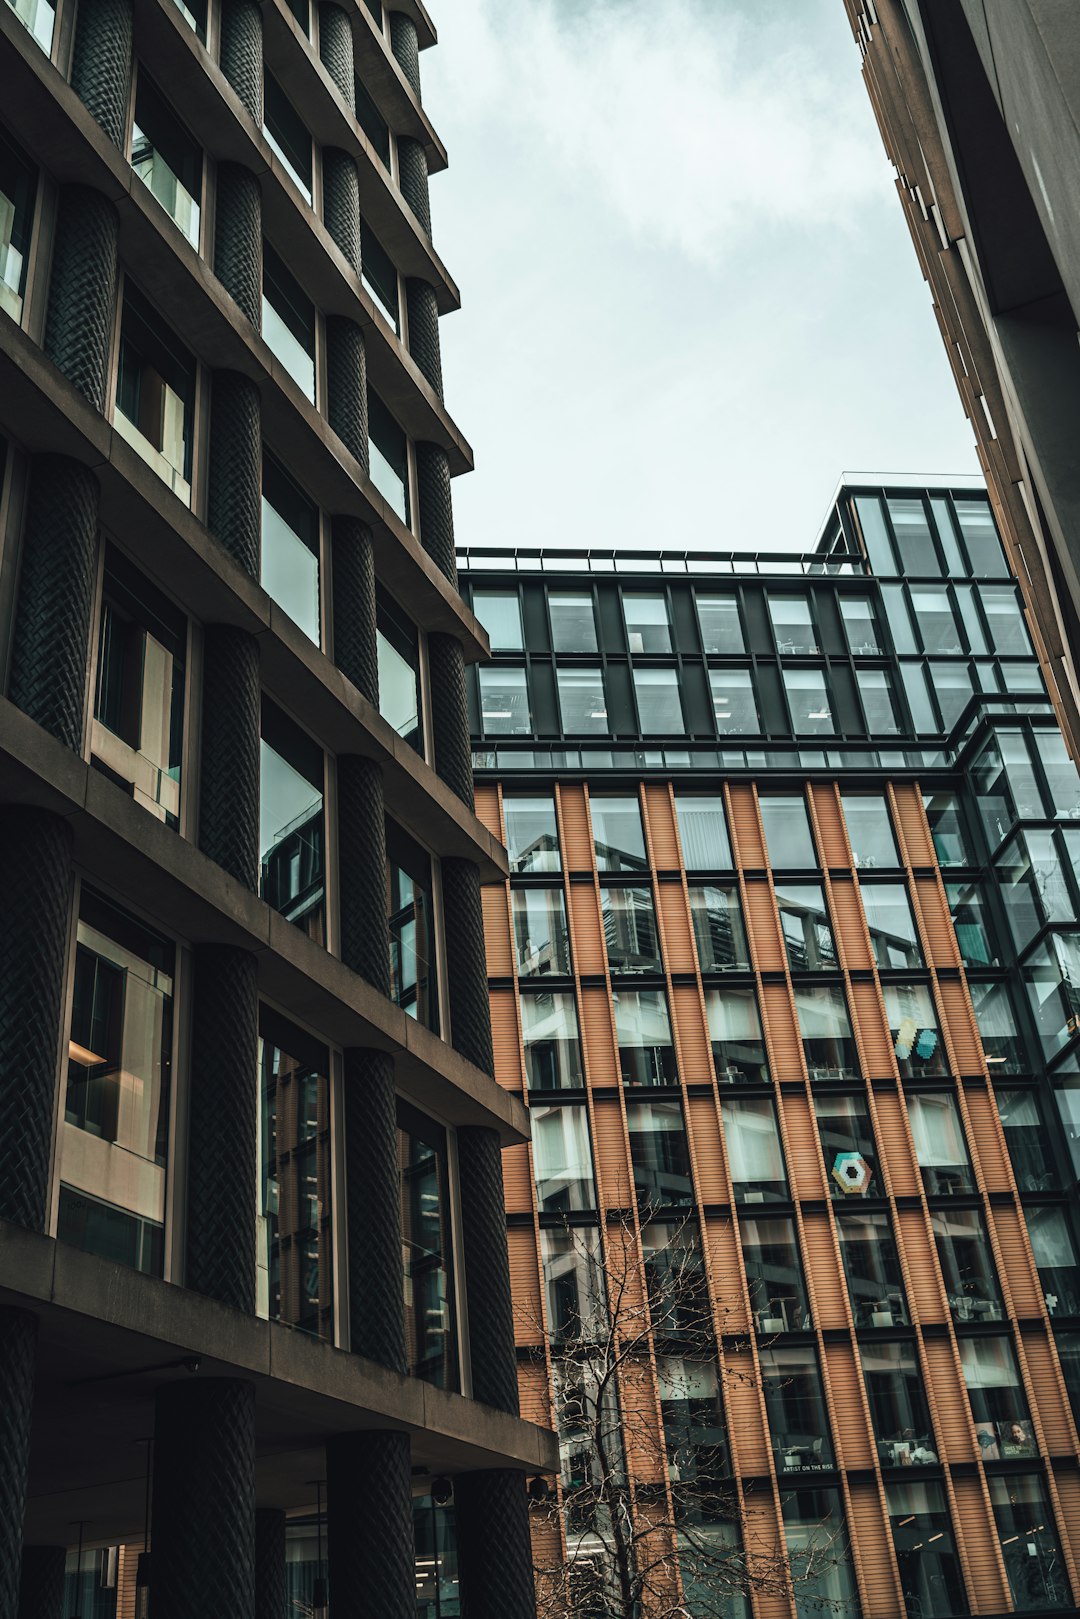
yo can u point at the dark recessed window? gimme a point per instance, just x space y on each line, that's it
1030 1545
427 1249
138 728
582 701
290 548
155 393
541 937
774 1275
795 1405
18 189
389 457
549 1031
373 124
828 1044
628 917
847 1146
287 133
292 830
967 1266
288 321
399 670
504 701
379 274
410 908
166 159
532 832
913 1027
194 13
930 1575
659 1154
39 20
872 1269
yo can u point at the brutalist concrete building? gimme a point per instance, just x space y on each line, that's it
979 108
256 1345
786 969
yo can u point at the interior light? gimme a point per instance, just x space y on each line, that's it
83 1054
598 714
497 714
820 714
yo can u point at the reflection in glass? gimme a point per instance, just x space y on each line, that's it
998 1407
1054 1248
1005 619
504 701
285 131
774 1275
933 613
878 700
913 1029
870 830
808 699
734 703
973 924
787 832
940 1147
946 829
541 941
967 1268
573 621
582 703
294 1233
427 1249
847 1145
648 627
643 1033
388 457
549 1031
703 832
1031 875
658 701
820 1558
695 1433
617 834
951 685
793 624
575 1291
659 1154
1052 975
738 1046
411 914
860 620
398 652
290 548
930 1574
718 929
166 159
828 1043
804 919
436 1556
914 539
288 322
754 1152
985 556
1029 1544
721 630
532 833
795 1406
898 1410
38 17
115 1136
872 1269
499 611
562 1159
155 393
1026 1139
630 934
292 832
893 938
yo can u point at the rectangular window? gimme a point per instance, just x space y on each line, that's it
18 190
427 1249
532 832
695 1439
617 834
643 1035
859 614
930 1575
504 701
897 609
985 555
138 730
973 924
804 919
675 1283
971 1284
819 1555
787 832
155 394
878 701
499 611
914 540
808 701
872 1269
379 274
952 688
828 1043
290 548
659 1154
940 1147
541 940
718 929
549 1031
1033 884
1003 1048
1062 775
933 614
582 701
946 829
999 1410
1005 618
573 621
295 1242
898 1410
166 159
292 830
285 131
875 535
793 625
735 706
562 1159
913 1028
703 833
115 1137
893 938
1029 1544
373 124
648 625
754 1152
795 1405
39 20
629 921
194 15
721 629
1054 1250
288 322
847 1146
774 1275
1027 1139
410 909
1052 976
738 1047
398 650
658 701
574 1286
924 716
388 456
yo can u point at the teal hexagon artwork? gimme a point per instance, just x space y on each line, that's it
851 1172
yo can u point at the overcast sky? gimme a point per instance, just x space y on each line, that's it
689 295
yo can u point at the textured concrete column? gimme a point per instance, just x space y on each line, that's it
51 637
222 1146
238 238
271 1583
242 53
35 911
413 178
41 1583
341 202
423 310
450 715
18 1343
436 507
346 385
470 1008
101 62
365 938
234 496
204 1499
356 651
494 1546
406 47
336 51
229 780
369 1526
82 290
373 1212
487 1269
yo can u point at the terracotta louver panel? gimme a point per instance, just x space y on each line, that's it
927 1298
660 819
1054 1413
1021 1280
879 1585
830 1305
832 834
781 1032
951 1408
577 844
764 927
894 1145
505 1042
610 1150
726 1274
746 1420
517 1179
598 1037
872 1031
534 1392
746 829
850 925
912 825
590 955
848 1406
804 1153
487 808
1068 1489
675 922
704 1129
960 1022
500 955
547 1547
693 1036
988 1589
986 1140
937 923
525 1285
765 1547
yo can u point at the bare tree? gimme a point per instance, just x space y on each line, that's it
647 1523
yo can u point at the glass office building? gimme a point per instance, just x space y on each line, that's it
807 838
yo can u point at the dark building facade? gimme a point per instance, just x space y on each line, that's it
256 1346
979 108
786 969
